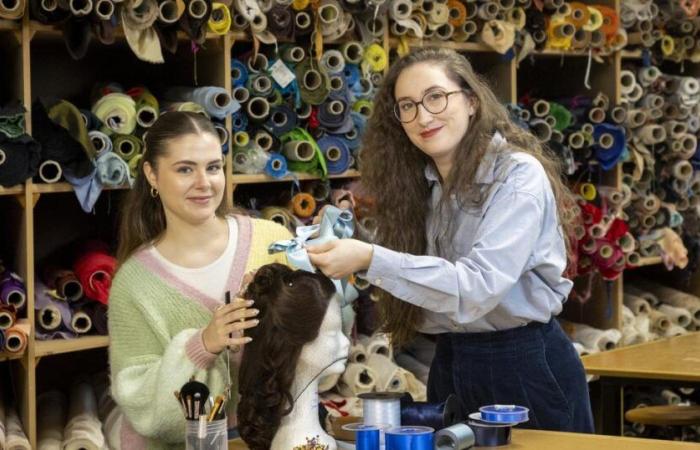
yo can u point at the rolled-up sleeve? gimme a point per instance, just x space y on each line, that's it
474 284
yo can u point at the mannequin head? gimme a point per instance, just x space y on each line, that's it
299 338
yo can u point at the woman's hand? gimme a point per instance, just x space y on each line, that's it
342 257
229 319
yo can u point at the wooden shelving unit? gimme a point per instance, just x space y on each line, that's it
261 178
40 66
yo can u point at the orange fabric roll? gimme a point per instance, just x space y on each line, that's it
611 21
458 12
303 205
579 14
16 337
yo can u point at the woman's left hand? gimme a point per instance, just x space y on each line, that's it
341 258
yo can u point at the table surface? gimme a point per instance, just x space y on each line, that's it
544 440
676 358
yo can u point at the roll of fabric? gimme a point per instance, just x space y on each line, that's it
95 268
101 142
390 377
15 438
378 343
337 154
659 321
303 205
51 419
126 146
357 379
146 105
19 159
215 100
314 83
50 171
239 73
137 19
12 290
678 316
12 9
672 297
83 430
594 338
637 305
66 115
250 159
334 115
117 112
97 312
358 353
316 165
220 20
280 215
52 313
112 170
16 337
282 120
81 322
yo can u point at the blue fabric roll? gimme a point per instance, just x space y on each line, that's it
240 121
91 120
333 122
112 170
290 120
359 121
343 163
276 158
609 157
352 74
242 73
206 97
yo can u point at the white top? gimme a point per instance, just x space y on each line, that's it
212 278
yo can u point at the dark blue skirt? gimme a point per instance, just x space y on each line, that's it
535 366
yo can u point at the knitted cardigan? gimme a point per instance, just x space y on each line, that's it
155 328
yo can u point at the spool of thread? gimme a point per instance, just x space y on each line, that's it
381 408
489 434
456 437
366 436
433 415
409 438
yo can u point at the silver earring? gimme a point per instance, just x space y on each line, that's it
154 192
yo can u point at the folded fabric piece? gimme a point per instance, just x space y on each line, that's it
19 159
138 17
57 144
69 117
87 189
215 100
12 119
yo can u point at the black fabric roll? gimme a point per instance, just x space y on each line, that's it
57 16
97 312
104 30
57 143
21 159
280 22
304 31
196 29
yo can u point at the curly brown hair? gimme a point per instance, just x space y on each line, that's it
393 172
292 306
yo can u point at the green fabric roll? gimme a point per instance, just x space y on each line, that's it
68 116
312 96
117 112
12 121
563 116
145 100
136 145
317 166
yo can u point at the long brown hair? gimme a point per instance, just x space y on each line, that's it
142 216
393 171
292 306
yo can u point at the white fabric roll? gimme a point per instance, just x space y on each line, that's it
389 377
637 305
673 297
15 438
644 293
51 419
378 344
627 316
659 321
671 397
678 316
675 330
594 338
358 353
84 429
631 336
583 351
357 379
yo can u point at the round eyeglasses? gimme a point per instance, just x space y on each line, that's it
435 102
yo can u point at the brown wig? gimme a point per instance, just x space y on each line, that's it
292 306
393 172
142 216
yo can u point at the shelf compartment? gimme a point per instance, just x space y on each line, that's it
262 178
59 346
52 188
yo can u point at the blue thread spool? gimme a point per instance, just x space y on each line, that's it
504 413
409 438
366 436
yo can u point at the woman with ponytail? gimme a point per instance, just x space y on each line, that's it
181 249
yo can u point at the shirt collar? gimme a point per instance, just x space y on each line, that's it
486 173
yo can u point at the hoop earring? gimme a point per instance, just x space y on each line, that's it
154 192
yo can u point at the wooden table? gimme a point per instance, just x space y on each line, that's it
550 440
671 362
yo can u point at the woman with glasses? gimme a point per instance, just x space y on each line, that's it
472 243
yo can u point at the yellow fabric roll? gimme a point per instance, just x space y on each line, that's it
220 20
117 112
375 59
595 19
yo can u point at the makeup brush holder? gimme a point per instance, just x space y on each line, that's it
210 436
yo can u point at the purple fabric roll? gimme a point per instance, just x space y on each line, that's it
12 291
44 300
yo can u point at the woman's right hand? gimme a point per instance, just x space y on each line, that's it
227 320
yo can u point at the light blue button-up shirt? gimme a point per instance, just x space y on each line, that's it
504 265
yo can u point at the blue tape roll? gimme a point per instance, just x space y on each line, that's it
504 413
366 436
409 438
239 73
276 166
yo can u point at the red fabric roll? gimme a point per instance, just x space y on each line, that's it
94 268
